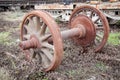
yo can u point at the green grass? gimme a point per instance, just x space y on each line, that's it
114 38
39 75
5 38
101 66
118 23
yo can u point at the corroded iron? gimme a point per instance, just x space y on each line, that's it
40 31
101 25
39 23
33 42
89 30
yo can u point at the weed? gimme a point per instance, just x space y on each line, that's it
13 63
4 75
118 23
37 76
73 72
101 66
45 79
5 39
114 39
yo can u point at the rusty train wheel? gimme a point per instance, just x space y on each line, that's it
42 26
100 23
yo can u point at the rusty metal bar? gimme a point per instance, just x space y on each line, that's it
72 33
78 31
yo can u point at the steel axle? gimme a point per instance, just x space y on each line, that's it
78 31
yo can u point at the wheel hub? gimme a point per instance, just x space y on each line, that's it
89 30
33 42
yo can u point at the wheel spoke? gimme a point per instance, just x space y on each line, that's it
47 45
26 36
99 36
84 12
43 29
44 38
31 24
24 30
97 41
34 55
29 30
91 14
98 28
97 19
47 53
45 60
38 23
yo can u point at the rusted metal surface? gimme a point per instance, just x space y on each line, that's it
32 43
78 31
51 53
89 30
101 19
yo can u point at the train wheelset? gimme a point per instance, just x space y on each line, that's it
41 37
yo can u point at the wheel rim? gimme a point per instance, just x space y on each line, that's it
100 22
43 26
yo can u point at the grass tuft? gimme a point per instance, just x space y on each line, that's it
6 39
114 39
4 74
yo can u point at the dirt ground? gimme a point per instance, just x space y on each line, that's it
76 65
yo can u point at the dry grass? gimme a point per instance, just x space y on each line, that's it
4 74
